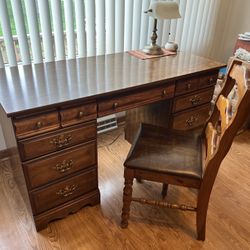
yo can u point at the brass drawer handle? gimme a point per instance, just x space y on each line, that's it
61 141
64 166
67 191
190 122
80 114
39 124
195 100
115 105
164 92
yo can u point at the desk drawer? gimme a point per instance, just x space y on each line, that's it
75 115
209 79
191 119
64 191
186 85
51 142
193 100
125 102
36 124
50 168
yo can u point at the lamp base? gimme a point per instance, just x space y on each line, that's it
153 49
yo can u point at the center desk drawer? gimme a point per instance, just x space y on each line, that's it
196 99
58 165
51 142
129 101
64 191
78 114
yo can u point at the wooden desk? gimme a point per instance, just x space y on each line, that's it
54 106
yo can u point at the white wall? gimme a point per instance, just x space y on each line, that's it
234 19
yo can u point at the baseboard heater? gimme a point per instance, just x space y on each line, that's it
106 123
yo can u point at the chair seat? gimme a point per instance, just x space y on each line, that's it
166 151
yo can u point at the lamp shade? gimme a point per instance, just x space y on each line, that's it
164 10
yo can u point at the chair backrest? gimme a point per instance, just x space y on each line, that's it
226 119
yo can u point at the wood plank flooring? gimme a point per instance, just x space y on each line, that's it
228 222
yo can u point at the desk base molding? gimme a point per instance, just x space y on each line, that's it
42 220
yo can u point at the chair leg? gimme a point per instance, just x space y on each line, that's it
127 196
201 226
201 217
164 190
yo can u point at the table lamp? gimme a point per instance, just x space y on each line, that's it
160 10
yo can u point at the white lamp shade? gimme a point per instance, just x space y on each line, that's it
164 10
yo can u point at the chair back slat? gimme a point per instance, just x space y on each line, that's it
224 124
225 108
240 74
212 141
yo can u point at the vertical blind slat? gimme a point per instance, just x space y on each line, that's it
1 60
90 27
203 25
56 11
100 27
136 24
128 25
208 26
119 25
110 26
43 7
186 25
21 32
70 33
80 27
197 28
180 22
144 24
191 24
35 40
8 41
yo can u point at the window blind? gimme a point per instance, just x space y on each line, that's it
59 29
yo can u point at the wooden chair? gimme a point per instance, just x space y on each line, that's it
186 159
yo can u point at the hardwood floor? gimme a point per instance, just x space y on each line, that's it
228 222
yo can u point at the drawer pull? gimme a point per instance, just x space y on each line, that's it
61 141
64 166
39 124
190 122
211 80
188 86
195 100
80 114
67 191
115 105
164 92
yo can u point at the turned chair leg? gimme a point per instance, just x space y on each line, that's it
164 190
127 196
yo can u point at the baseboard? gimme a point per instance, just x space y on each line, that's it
7 153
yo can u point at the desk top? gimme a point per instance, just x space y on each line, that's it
45 85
